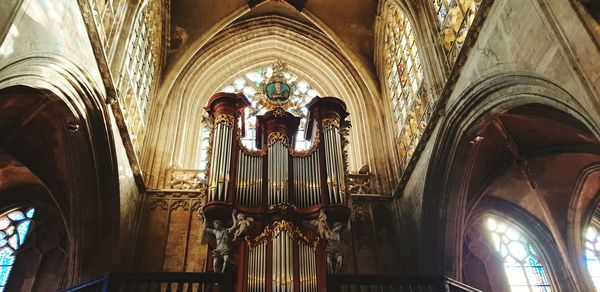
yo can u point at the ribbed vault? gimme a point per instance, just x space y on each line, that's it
176 119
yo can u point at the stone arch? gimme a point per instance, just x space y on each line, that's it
241 47
58 108
451 163
534 230
585 200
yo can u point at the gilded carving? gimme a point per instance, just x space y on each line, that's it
277 136
277 227
224 119
331 123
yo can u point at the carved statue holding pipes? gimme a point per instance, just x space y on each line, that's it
334 249
224 239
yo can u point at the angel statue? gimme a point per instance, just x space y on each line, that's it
334 249
241 223
221 252
321 224
223 236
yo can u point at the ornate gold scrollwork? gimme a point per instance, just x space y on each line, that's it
329 123
277 227
277 136
224 119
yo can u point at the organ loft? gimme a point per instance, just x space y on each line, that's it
290 206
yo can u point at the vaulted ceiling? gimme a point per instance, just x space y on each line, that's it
349 23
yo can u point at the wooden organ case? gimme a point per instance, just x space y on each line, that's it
281 189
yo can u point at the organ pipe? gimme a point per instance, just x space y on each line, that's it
264 182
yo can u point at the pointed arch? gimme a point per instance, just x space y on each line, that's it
509 240
243 47
446 186
407 100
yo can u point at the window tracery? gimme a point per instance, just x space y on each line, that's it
252 83
411 105
522 261
455 18
592 254
14 228
108 16
140 70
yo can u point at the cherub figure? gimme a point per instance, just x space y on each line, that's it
241 223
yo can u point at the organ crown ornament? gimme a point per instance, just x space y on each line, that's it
277 90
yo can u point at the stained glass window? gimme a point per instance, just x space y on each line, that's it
140 70
455 18
592 254
251 85
14 227
522 261
411 105
108 16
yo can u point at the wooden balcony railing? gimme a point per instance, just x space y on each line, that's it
155 282
215 282
394 283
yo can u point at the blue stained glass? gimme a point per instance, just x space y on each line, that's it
16 215
7 260
11 239
22 230
532 261
519 256
532 250
4 273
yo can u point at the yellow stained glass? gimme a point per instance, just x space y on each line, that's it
455 19
139 70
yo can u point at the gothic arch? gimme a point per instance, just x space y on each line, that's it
585 199
535 231
42 260
242 47
61 131
451 164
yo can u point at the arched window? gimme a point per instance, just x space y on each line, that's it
140 70
522 262
410 103
455 18
592 254
108 16
14 227
252 83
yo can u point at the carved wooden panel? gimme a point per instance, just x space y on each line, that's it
170 236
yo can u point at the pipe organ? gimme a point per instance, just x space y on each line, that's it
282 189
